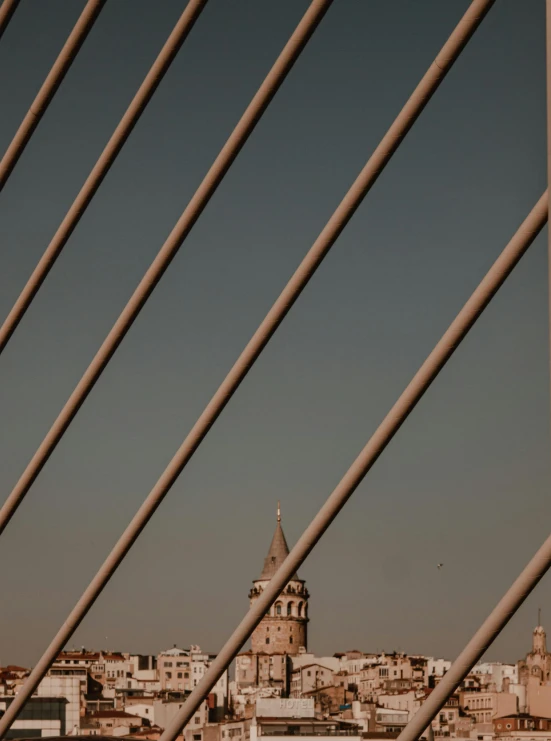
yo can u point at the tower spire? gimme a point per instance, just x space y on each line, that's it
279 550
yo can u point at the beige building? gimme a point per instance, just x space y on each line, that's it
483 707
181 670
310 677
409 700
229 730
174 670
164 711
538 699
109 720
262 670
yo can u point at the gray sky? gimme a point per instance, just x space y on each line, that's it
466 480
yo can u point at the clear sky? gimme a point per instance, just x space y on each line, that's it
465 482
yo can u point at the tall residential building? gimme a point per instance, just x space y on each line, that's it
283 630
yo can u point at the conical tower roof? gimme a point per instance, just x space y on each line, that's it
279 550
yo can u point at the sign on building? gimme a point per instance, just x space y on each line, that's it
285 707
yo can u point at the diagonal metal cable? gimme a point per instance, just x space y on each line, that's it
221 165
54 79
390 142
7 9
526 582
213 178
401 410
102 167
367 177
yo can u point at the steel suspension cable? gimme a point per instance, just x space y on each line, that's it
7 9
54 79
521 588
401 410
390 142
265 94
101 168
227 155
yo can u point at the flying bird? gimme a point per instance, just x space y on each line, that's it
439 566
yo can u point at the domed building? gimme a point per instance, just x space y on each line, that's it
284 628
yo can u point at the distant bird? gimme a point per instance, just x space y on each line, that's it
439 566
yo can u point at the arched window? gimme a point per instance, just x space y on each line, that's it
278 608
290 608
300 609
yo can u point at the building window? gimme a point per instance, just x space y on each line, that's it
169 675
179 675
278 608
289 608
290 639
186 675
267 640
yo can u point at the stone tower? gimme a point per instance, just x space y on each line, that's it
536 668
284 628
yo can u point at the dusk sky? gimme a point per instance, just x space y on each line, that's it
466 480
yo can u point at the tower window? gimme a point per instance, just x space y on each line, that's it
289 608
267 640
300 609
278 608
290 639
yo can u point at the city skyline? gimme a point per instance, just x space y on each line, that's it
477 447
